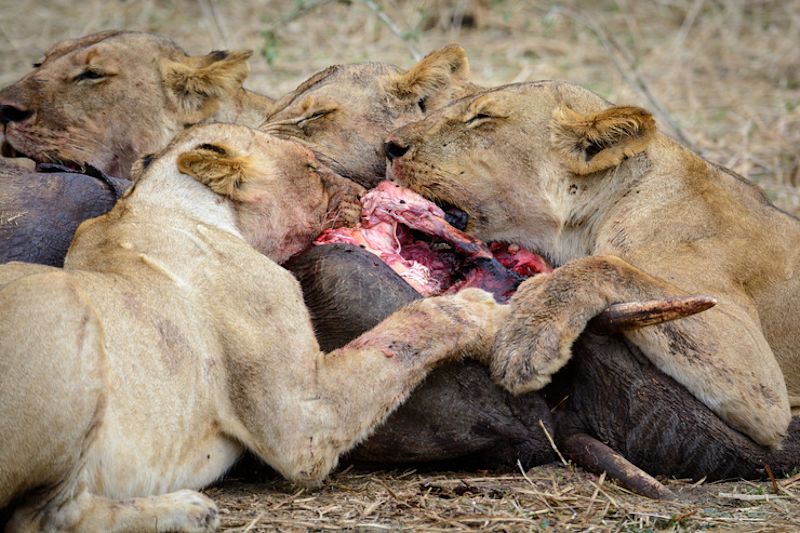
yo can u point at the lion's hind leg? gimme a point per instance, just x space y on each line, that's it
53 391
51 383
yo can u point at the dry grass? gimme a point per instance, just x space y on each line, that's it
725 75
550 497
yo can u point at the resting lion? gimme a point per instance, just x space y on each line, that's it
109 98
630 215
167 344
344 112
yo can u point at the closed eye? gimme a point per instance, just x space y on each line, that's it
89 74
314 116
479 118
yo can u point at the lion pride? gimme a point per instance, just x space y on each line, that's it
628 214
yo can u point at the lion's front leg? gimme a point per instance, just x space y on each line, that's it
548 314
720 356
185 510
356 387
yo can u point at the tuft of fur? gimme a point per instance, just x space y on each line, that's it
434 73
195 83
598 141
218 167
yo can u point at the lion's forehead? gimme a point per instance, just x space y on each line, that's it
126 47
338 82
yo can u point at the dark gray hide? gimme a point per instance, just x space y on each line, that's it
39 211
609 391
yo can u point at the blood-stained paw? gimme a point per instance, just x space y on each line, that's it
548 313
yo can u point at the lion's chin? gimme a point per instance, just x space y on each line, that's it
33 161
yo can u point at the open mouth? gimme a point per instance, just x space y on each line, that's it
423 244
453 215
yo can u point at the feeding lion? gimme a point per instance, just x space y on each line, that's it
109 98
344 112
629 214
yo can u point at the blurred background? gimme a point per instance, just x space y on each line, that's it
722 76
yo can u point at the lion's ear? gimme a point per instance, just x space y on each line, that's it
195 84
218 167
598 141
434 76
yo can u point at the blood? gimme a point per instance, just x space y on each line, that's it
391 218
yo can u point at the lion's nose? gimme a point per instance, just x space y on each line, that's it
10 113
394 149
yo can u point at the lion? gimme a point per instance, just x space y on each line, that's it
628 214
109 98
344 112
167 344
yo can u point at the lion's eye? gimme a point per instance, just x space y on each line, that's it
423 104
89 74
316 115
478 118
37 64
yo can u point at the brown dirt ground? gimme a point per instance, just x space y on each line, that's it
724 76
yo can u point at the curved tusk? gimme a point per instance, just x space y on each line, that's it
632 315
596 457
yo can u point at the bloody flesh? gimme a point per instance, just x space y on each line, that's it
391 216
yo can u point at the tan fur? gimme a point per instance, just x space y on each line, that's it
167 345
344 112
630 215
110 98
199 83
600 140
215 167
434 74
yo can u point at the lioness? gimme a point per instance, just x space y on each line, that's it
630 214
112 97
344 112
168 344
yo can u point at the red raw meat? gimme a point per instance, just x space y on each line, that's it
390 211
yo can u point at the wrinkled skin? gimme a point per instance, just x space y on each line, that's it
40 211
344 112
630 215
173 333
109 98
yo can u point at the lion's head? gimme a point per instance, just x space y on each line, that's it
109 98
344 112
282 195
516 158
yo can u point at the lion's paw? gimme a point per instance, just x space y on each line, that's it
192 512
536 339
